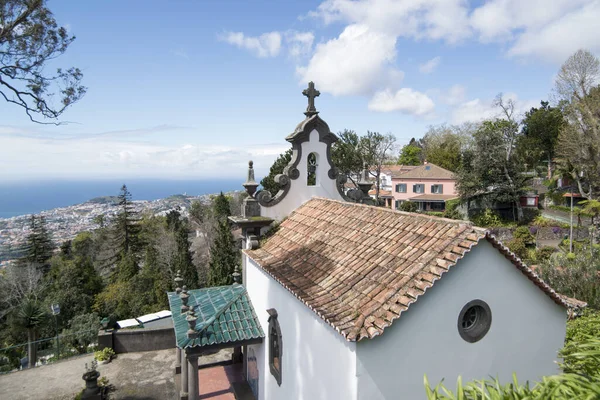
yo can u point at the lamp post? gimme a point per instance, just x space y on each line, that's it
55 311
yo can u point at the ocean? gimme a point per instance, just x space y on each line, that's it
31 197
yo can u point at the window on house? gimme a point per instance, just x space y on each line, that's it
311 177
474 321
437 189
401 188
275 345
397 204
419 188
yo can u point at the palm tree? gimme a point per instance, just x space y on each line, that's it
32 317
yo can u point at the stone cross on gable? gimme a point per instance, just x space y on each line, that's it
311 93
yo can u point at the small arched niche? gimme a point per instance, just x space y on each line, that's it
312 166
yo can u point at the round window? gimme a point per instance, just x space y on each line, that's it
474 321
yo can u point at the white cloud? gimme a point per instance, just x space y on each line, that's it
358 62
265 45
405 100
477 110
548 30
430 66
99 156
454 95
299 43
419 19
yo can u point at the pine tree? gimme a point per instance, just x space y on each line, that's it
183 257
221 206
223 257
268 182
38 247
127 224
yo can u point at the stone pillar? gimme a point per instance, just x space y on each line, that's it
192 370
184 376
177 360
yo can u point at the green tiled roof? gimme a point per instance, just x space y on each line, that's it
225 315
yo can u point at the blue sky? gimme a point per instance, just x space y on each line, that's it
188 89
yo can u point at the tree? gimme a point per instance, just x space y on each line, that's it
221 206
444 145
579 138
268 182
31 316
491 168
29 38
82 332
410 154
539 135
38 243
346 155
375 149
126 224
223 257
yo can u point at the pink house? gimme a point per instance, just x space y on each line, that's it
427 185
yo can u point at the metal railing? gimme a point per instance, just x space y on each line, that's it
48 350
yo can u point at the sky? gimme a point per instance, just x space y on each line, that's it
193 90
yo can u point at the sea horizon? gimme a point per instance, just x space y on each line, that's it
32 197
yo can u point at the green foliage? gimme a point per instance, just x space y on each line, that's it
491 170
523 233
29 40
409 206
451 210
82 332
575 276
434 213
38 244
346 155
576 210
579 330
543 254
519 247
410 155
105 354
126 227
221 206
487 218
268 182
443 146
223 257
540 130
582 382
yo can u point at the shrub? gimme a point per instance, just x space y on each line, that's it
519 247
544 253
105 354
452 209
575 275
434 213
487 218
579 330
523 233
408 206
530 214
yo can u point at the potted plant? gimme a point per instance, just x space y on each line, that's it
104 355
91 381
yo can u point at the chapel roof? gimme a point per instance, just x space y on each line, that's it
425 171
359 267
225 315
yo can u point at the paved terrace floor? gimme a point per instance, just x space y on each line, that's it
136 376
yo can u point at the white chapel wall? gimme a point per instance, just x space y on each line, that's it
317 362
300 192
527 330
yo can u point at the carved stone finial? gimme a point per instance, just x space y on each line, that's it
178 279
311 93
364 183
184 296
237 277
191 320
250 185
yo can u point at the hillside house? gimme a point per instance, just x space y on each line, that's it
349 301
427 185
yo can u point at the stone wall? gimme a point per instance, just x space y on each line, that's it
134 340
544 233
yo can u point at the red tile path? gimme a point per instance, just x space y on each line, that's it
215 382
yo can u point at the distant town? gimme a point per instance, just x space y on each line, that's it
66 222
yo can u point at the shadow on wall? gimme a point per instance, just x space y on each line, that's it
134 340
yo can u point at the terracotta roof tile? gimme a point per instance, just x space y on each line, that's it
359 267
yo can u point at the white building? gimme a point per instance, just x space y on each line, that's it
360 302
